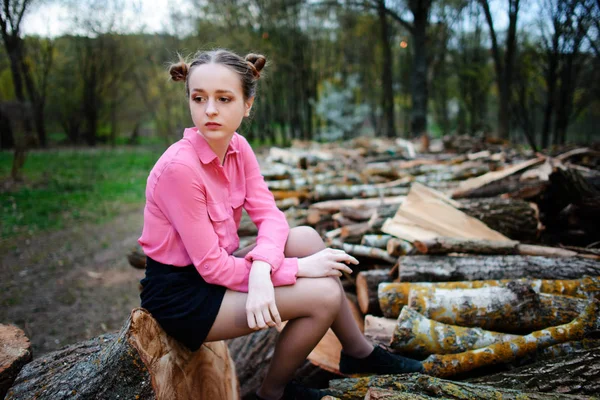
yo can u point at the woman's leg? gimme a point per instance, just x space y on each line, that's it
309 306
304 241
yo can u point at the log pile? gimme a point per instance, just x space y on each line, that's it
464 264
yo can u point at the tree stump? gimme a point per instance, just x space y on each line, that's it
15 352
140 362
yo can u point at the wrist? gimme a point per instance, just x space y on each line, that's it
260 267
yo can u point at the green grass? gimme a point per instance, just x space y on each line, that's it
66 186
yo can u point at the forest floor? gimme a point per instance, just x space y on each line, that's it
71 284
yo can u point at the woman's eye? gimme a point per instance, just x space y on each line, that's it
224 99
198 99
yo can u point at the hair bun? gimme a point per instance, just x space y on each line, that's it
257 63
179 71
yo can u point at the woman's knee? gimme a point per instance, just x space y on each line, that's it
303 241
329 295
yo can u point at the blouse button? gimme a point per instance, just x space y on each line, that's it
206 266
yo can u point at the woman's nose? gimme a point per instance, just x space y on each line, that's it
211 107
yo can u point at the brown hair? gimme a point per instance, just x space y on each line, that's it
248 68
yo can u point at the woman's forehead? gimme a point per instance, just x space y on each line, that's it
214 77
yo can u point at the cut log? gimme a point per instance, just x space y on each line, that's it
140 362
15 352
515 308
394 295
384 394
367 283
514 218
417 336
435 212
357 250
324 192
472 268
577 374
431 387
443 245
379 241
379 330
470 186
453 364
398 247
333 206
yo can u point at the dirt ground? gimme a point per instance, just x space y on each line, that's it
70 285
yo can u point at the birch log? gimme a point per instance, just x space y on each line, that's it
417 336
452 364
394 295
472 268
140 362
515 308
431 387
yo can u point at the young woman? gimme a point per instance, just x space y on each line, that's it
199 286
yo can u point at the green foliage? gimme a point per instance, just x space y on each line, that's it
72 186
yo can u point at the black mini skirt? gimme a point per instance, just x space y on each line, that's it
181 301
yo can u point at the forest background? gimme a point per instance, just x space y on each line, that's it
86 108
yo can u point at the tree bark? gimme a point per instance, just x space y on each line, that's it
387 100
516 308
443 245
430 387
472 268
453 364
394 295
577 374
417 336
140 362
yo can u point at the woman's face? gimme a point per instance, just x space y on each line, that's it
216 101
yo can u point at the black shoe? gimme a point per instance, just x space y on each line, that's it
295 391
379 362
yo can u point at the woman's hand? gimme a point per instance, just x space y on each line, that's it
327 262
261 310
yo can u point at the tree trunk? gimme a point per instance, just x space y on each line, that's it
430 387
15 352
140 362
394 295
419 89
577 374
386 73
473 268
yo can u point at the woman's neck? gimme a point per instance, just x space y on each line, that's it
220 148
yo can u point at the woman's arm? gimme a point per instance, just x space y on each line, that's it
273 228
181 197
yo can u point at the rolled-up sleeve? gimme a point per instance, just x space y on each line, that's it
273 228
180 195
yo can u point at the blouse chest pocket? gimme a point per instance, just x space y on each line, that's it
221 219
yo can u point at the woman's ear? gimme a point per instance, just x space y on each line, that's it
248 104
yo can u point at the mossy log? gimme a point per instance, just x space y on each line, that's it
577 373
473 268
453 364
429 387
140 362
367 283
15 352
417 336
516 308
393 296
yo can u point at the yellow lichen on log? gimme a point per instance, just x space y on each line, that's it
453 364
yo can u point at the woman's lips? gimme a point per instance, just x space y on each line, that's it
212 125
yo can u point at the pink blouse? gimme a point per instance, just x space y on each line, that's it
194 206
